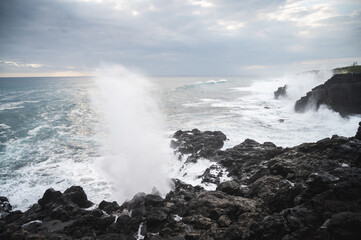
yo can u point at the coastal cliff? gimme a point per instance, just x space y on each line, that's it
342 93
310 191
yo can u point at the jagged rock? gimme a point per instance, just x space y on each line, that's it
246 160
276 192
280 92
77 195
358 134
153 200
198 221
109 207
311 191
198 144
50 196
5 206
341 93
209 177
230 187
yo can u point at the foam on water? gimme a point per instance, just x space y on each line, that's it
275 120
255 114
190 172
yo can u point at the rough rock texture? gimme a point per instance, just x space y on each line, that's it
358 134
341 93
311 191
198 144
280 92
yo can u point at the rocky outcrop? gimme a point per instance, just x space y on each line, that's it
311 191
358 134
341 93
280 92
197 144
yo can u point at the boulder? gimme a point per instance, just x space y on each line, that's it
50 196
76 194
109 207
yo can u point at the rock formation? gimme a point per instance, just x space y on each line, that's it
311 191
280 92
342 93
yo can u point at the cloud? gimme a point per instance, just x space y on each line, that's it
21 65
253 67
309 13
176 37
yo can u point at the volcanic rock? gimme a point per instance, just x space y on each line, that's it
198 144
358 134
280 92
311 191
341 93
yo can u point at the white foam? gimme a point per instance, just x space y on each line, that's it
190 172
10 106
139 235
134 159
4 126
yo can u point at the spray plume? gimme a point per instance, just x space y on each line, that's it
134 159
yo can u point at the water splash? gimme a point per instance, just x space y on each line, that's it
134 156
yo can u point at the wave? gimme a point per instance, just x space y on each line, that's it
14 105
202 83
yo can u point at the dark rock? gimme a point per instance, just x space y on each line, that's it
276 192
280 92
76 194
198 221
5 206
358 134
244 161
209 177
50 196
156 217
341 93
345 225
153 200
114 236
311 191
230 187
224 221
109 207
197 143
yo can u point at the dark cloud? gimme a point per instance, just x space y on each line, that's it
175 37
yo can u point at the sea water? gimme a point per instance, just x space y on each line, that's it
97 132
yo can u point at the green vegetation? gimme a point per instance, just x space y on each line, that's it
349 69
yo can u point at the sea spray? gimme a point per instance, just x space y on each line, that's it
134 156
275 119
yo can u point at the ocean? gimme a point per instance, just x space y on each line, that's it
110 133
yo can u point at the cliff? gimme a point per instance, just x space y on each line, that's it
342 93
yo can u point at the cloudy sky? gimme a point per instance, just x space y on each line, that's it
177 37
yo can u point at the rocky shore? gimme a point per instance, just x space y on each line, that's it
341 93
311 191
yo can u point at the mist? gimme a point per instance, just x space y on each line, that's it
135 159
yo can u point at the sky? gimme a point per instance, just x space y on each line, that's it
177 37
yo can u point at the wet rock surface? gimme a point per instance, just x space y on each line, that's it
311 191
341 93
197 144
280 92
